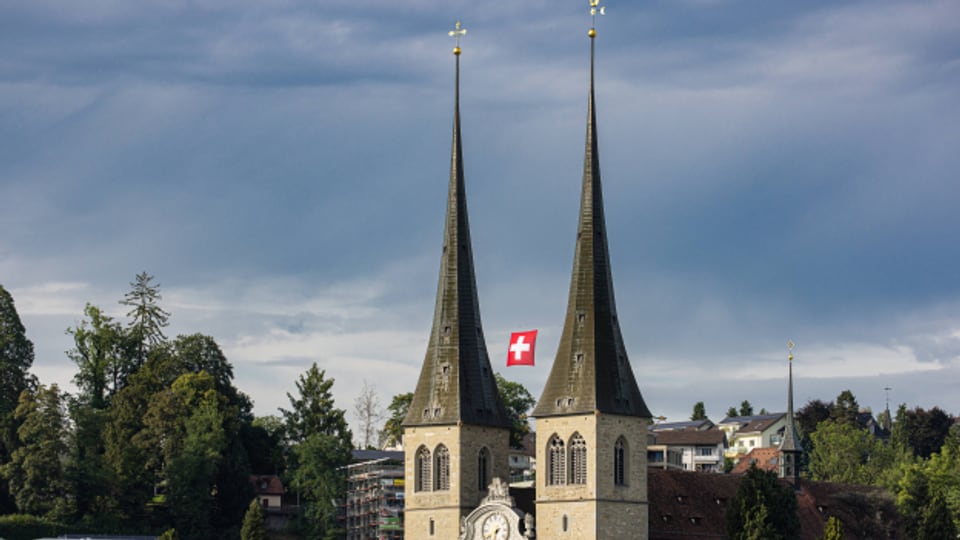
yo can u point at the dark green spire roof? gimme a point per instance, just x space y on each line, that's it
591 371
790 443
456 383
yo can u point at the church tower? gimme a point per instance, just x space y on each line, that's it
790 448
591 418
456 434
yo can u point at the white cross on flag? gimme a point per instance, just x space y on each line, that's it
521 348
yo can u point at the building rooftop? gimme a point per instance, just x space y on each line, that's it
688 437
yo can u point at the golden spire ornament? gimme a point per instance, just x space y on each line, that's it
457 32
595 9
790 348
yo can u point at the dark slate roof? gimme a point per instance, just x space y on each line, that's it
790 442
456 383
750 424
591 371
685 504
359 456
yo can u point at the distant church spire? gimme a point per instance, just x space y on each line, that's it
591 372
456 384
790 448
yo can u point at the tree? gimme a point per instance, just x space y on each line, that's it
746 409
732 412
16 358
833 530
263 440
517 401
366 408
393 428
763 508
810 415
320 439
913 497
35 471
699 411
843 453
937 523
254 523
926 430
845 408
101 352
148 319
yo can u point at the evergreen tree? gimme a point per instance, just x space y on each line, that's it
321 446
833 530
16 358
845 408
147 318
758 488
699 411
732 412
746 409
937 523
913 497
36 469
254 523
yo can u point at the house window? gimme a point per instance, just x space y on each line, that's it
442 467
578 459
706 451
556 458
620 462
483 463
422 479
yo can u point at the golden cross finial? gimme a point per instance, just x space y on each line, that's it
790 348
457 32
595 9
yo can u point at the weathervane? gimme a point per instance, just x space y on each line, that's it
790 348
595 9
457 32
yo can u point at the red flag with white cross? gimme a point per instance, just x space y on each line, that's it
521 348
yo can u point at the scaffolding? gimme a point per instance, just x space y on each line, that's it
374 502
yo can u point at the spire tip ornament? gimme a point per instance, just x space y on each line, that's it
457 32
790 346
595 9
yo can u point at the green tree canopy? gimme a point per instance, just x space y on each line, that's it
102 352
254 522
847 454
16 358
833 530
398 408
147 318
763 508
518 402
732 412
845 409
36 469
746 409
313 410
699 411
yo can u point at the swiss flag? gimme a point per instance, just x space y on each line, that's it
521 348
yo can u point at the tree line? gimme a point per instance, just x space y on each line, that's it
158 439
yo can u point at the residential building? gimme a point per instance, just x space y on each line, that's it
699 450
744 433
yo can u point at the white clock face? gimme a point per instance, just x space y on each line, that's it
496 527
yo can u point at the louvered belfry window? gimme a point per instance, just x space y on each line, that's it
620 462
483 472
556 456
578 459
423 469
442 461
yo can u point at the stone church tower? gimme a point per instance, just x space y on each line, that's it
591 418
456 434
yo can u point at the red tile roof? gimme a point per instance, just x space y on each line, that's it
767 459
266 484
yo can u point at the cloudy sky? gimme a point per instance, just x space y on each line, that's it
772 171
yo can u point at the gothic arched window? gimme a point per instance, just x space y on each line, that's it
483 469
578 459
441 458
620 462
556 462
422 480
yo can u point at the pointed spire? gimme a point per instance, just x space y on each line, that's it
456 384
591 372
790 439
